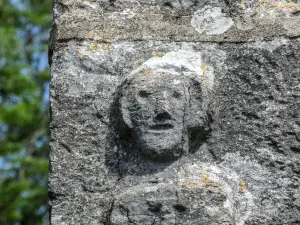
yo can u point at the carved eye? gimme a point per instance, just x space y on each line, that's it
144 94
176 94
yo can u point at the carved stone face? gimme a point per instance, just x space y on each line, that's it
155 107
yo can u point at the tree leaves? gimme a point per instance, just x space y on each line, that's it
24 81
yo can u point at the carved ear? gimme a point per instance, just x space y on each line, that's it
196 115
124 104
197 108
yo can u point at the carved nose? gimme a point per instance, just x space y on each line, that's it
162 116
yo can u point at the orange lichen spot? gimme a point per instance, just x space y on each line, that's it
158 54
106 45
192 185
204 69
165 73
93 46
289 6
91 34
283 6
80 52
204 177
242 4
242 186
146 71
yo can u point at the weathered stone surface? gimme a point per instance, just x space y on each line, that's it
175 112
185 20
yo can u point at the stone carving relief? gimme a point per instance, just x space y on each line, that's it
164 106
163 110
168 204
175 112
202 196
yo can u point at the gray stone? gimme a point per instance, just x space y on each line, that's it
162 107
175 112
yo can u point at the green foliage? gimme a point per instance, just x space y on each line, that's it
24 80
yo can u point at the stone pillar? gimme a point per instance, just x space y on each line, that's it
175 112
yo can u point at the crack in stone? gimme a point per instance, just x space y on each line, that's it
108 216
65 146
65 40
100 116
184 128
189 104
120 175
177 196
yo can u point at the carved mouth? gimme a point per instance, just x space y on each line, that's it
165 126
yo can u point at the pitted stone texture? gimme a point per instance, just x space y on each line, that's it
245 172
92 207
177 20
211 21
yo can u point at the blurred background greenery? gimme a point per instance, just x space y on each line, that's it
24 117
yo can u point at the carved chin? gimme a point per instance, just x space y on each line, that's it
162 146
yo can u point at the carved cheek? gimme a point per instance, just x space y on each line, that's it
178 106
142 113
145 105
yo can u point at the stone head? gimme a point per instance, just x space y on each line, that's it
161 111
